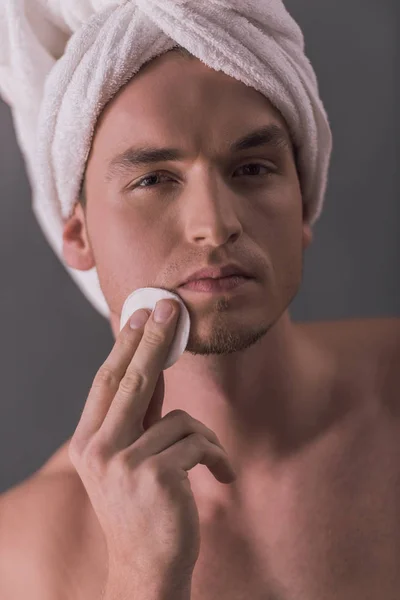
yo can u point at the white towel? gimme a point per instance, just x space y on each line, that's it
61 61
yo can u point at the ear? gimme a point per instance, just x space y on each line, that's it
77 251
307 235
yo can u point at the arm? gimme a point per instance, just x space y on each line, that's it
42 522
24 571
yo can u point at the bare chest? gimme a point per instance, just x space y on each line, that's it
330 528
326 528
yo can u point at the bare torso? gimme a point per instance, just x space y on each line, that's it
327 528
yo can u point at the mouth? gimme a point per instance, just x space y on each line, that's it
218 285
218 272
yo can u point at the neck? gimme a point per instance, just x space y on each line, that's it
259 402
262 404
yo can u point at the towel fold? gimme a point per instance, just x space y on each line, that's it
62 61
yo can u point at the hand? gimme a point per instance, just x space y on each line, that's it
134 464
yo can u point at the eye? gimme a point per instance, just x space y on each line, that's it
257 165
151 176
158 174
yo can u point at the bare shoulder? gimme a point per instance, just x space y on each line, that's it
369 347
45 531
361 327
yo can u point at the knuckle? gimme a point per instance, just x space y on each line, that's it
197 439
119 463
189 422
152 469
133 381
178 411
93 456
154 337
157 472
182 415
131 457
213 436
105 376
124 340
206 433
126 343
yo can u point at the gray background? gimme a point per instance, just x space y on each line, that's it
52 340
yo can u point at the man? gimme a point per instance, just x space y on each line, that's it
306 412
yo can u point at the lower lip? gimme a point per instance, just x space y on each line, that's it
223 284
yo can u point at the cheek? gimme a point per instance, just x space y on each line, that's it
287 259
285 202
133 253
117 246
282 237
282 220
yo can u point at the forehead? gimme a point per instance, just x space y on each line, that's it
181 102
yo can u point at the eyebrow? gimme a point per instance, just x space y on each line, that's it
268 135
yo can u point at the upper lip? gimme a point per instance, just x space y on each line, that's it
217 272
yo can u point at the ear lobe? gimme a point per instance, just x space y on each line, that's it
77 251
307 235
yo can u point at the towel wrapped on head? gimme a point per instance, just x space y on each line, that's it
62 61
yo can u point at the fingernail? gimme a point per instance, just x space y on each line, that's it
139 318
163 311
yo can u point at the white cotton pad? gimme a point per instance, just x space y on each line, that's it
148 298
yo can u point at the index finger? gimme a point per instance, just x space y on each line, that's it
123 423
106 382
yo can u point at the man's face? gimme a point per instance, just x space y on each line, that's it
152 225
